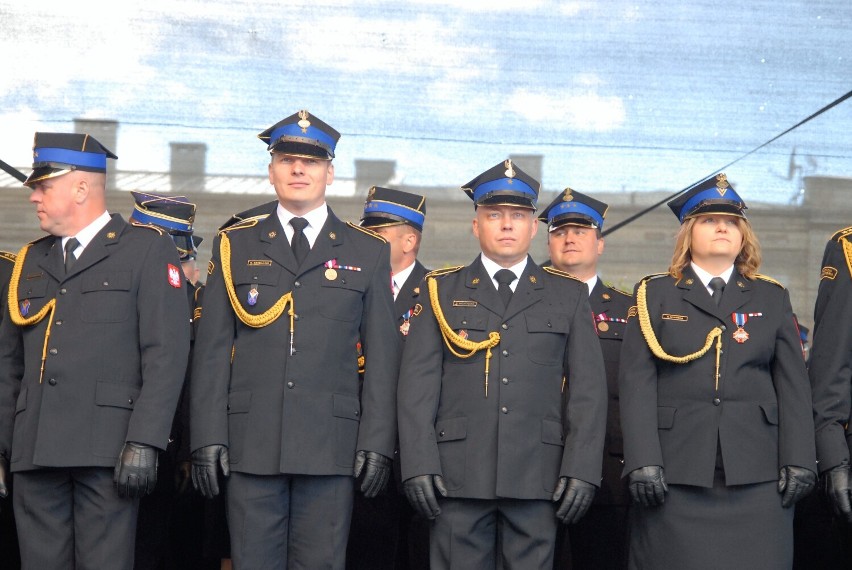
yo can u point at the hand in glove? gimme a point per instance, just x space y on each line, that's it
648 485
420 492
795 483
576 498
839 491
205 476
377 473
135 472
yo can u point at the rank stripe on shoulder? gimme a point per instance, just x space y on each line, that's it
247 223
838 235
560 273
157 229
444 271
768 279
7 256
367 231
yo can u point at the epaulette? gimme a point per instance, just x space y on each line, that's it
560 273
42 238
838 235
655 276
157 229
769 279
261 211
7 256
367 231
617 290
444 271
241 225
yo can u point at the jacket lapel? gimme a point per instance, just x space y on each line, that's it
330 237
697 295
277 248
737 293
530 290
52 260
408 295
98 248
481 288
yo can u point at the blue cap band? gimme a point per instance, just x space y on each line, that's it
412 216
294 130
517 186
163 222
709 194
70 157
574 208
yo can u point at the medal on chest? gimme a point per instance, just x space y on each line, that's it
740 319
406 322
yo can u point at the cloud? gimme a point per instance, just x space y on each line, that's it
584 111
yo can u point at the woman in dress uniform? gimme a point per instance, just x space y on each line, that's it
715 400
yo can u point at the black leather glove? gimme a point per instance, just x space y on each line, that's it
4 477
576 498
135 472
648 485
839 491
205 475
377 473
420 492
795 483
183 477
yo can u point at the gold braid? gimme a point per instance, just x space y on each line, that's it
451 339
263 319
15 308
656 347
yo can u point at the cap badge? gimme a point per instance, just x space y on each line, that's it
510 172
567 197
304 123
371 193
722 184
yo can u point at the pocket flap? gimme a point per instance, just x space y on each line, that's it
116 281
770 412
239 402
116 395
665 417
257 275
451 429
346 279
347 407
551 432
32 289
470 321
547 322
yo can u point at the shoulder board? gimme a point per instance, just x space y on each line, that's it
42 238
258 211
654 276
617 290
444 271
768 279
241 225
7 256
560 273
838 235
367 231
157 229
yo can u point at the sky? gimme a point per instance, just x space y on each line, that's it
618 96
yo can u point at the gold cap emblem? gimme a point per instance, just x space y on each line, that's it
567 197
510 172
722 184
304 123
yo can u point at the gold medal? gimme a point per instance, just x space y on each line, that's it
603 326
403 328
740 335
330 274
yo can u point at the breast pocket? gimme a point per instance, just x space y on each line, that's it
343 297
32 296
105 297
548 334
257 287
469 324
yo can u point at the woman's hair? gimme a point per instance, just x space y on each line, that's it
747 262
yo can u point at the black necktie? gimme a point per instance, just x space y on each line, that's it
70 258
299 243
504 277
718 285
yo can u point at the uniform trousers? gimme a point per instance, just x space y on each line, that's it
471 534
73 518
289 521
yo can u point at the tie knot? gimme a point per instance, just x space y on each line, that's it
299 224
717 284
71 245
504 277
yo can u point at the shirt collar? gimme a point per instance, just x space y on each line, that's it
88 233
591 282
705 277
492 267
316 220
402 276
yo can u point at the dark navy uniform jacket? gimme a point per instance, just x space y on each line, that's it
115 358
672 415
527 433
300 413
831 356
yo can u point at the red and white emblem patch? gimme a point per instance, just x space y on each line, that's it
174 276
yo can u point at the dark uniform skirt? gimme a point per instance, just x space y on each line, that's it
728 528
